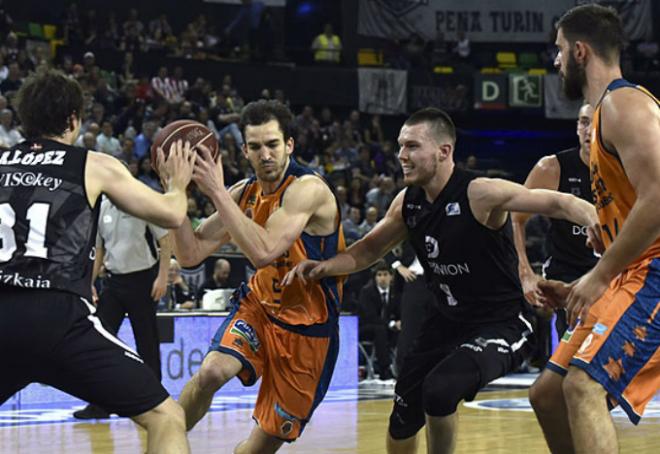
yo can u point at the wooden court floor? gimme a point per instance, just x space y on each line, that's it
337 427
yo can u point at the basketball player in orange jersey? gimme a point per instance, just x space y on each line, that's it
611 357
287 336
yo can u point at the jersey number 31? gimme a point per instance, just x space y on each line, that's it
37 216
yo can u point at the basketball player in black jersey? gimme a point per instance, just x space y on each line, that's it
50 194
459 227
569 256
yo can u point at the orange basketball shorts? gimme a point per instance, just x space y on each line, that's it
295 363
617 345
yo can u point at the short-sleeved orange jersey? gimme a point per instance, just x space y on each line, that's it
295 304
613 193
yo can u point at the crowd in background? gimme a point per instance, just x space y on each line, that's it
123 111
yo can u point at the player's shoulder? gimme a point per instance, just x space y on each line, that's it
310 184
620 102
549 163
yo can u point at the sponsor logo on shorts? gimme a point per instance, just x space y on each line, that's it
586 343
286 427
243 329
599 328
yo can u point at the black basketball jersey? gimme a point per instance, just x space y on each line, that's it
473 270
566 243
47 228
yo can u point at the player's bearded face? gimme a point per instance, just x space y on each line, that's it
267 151
574 78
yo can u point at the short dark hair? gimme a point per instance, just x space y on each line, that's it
260 112
45 102
439 121
597 25
381 265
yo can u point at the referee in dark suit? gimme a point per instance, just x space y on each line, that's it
136 278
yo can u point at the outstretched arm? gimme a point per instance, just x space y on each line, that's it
491 199
544 175
105 174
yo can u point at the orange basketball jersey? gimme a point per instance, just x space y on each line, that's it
613 194
295 304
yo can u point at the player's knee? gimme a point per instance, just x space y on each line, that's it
442 392
212 375
402 427
578 385
168 414
546 395
538 398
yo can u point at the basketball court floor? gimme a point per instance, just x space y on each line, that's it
499 420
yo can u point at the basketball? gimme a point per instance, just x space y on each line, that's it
187 131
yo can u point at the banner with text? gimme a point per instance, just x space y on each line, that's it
482 20
383 91
445 91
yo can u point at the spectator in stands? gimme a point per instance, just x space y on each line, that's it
226 119
219 278
89 140
159 83
4 70
147 175
133 24
351 225
97 116
379 312
127 146
144 140
10 47
370 221
178 86
106 142
373 134
9 134
355 193
327 47
382 195
305 120
13 82
178 295
159 29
